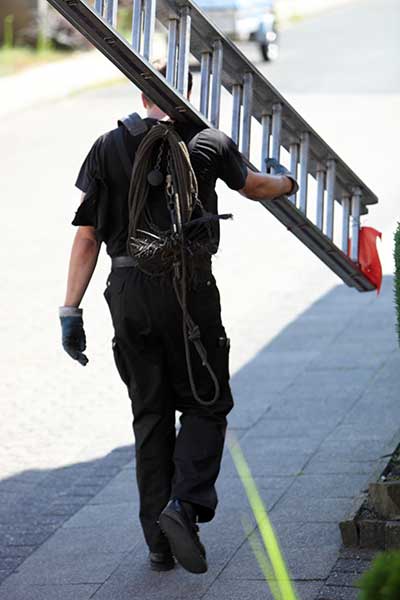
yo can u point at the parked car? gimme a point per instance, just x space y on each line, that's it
244 20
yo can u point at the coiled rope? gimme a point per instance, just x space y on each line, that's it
172 247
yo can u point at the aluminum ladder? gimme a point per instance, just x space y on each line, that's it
328 187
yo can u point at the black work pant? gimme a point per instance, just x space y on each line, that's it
150 357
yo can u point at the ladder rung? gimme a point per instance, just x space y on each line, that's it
236 111
355 223
99 7
172 48
330 197
217 59
304 163
111 12
205 83
247 112
266 140
276 131
294 162
184 50
149 26
136 24
345 223
321 182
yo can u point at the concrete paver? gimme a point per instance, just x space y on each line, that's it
44 592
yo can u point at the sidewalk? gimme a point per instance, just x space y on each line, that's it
314 408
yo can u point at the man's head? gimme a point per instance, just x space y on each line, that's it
154 111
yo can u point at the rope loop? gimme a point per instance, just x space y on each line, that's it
159 252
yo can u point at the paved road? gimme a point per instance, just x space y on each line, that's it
352 50
59 419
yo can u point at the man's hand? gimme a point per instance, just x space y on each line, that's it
272 163
73 334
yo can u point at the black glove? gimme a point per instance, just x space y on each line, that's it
73 334
272 163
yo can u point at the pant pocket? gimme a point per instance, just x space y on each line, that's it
114 294
120 362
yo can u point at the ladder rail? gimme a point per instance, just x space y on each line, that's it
152 83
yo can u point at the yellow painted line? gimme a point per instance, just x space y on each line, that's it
262 558
268 536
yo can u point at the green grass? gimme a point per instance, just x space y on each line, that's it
397 277
14 60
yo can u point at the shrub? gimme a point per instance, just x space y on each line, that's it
382 580
397 276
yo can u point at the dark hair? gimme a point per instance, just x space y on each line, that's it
161 67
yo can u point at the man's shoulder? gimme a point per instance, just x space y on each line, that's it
102 140
107 136
212 133
105 143
213 138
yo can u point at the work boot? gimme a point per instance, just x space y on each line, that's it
178 522
161 561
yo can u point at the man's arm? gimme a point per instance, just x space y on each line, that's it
259 186
84 254
83 260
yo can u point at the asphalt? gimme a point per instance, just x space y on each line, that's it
315 365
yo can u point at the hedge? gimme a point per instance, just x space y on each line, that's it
382 580
397 277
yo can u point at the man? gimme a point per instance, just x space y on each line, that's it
176 474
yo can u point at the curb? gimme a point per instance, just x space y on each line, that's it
371 533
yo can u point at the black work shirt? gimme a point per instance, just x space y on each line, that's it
106 184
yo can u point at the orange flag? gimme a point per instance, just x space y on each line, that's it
368 256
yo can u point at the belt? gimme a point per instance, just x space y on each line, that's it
119 262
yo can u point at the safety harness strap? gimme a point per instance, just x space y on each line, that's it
134 124
136 127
